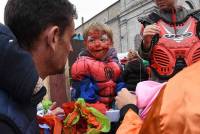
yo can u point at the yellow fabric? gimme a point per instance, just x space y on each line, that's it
176 110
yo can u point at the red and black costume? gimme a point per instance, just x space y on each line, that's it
178 44
96 80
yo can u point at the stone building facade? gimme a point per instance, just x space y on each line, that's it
122 18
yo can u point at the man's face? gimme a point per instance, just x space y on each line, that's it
62 50
98 43
165 4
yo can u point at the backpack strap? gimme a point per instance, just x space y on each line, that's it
149 19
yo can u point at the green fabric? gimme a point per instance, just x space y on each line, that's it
74 121
145 62
46 105
93 131
101 118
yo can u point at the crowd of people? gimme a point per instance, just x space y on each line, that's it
159 97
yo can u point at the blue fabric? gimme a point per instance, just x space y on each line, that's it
17 70
89 90
17 82
75 91
119 86
16 116
86 89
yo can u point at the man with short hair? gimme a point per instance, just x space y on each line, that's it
35 43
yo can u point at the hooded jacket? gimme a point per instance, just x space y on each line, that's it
18 78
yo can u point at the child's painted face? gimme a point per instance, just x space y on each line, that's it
98 43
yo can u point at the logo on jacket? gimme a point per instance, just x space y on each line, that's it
181 32
109 73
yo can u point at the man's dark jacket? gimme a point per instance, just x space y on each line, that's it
18 78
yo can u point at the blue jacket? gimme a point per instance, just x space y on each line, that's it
18 78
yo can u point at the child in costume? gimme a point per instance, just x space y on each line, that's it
96 73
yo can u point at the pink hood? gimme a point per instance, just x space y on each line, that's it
146 92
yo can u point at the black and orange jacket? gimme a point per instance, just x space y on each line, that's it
175 110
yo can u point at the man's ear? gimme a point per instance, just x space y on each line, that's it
53 37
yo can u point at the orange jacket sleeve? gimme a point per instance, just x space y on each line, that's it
131 124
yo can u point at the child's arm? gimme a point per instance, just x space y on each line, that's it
82 83
80 69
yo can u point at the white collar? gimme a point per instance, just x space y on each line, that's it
38 86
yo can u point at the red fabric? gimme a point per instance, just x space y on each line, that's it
104 73
52 121
107 89
82 125
68 107
99 106
171 47
99 70
174 19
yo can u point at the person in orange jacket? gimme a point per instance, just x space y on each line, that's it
175 109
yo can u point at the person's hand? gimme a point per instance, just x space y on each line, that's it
58 111
124 97
148 33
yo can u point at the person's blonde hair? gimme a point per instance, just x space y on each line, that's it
99 27
132 55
